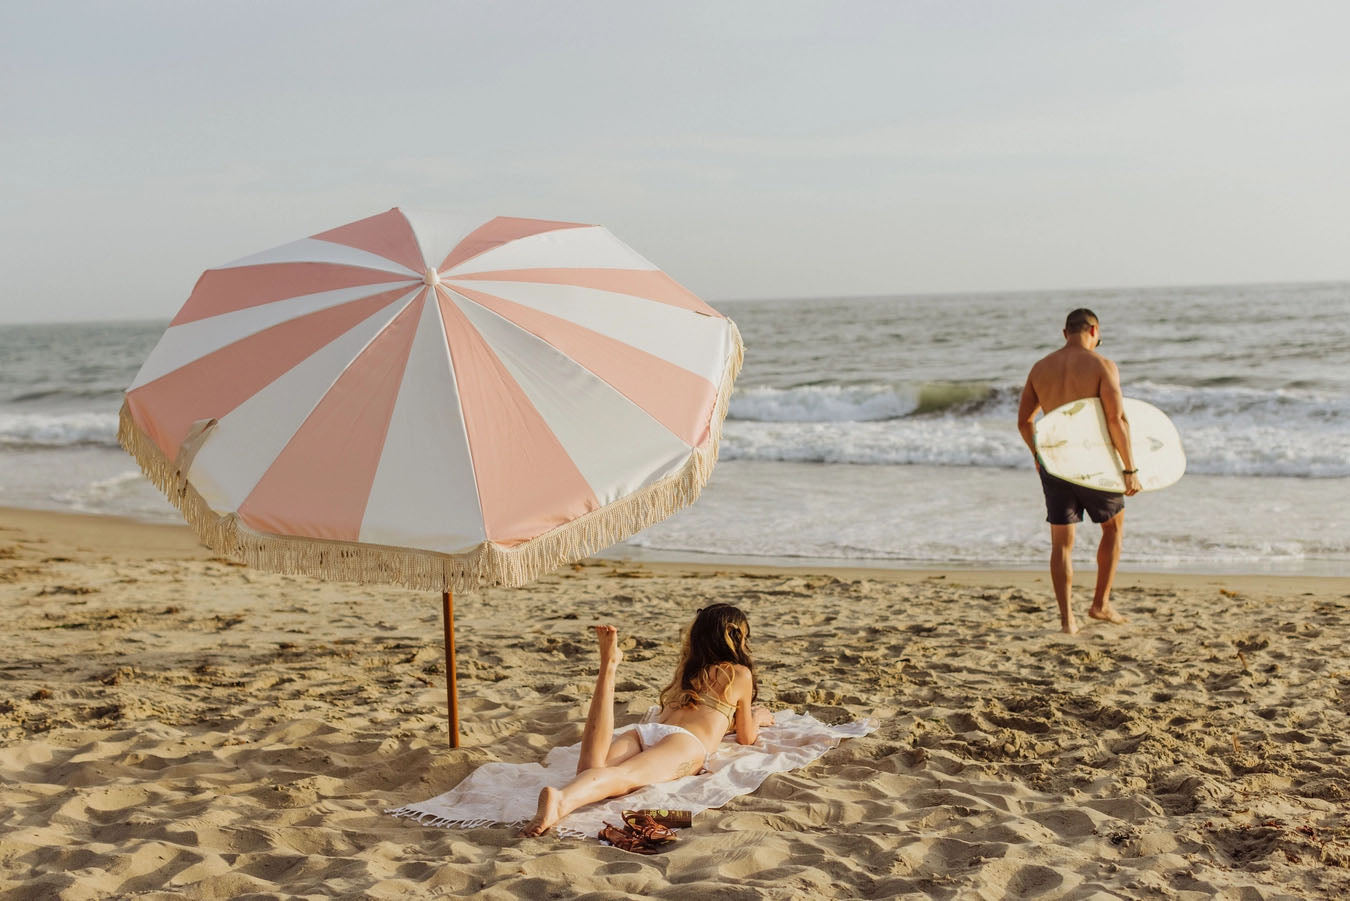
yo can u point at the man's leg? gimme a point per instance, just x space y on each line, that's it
1061 574
1108 556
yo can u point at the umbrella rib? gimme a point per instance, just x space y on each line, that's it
440 298
544 471
679 400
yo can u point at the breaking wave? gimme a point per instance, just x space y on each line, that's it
58 429
860 403
1226 430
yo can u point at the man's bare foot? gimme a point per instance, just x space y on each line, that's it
1069 628
608 639
550 801
1108 615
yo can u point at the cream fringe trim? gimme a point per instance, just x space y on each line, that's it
484 566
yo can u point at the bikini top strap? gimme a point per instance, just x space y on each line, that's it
722 707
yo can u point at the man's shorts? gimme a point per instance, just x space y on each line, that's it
1065 501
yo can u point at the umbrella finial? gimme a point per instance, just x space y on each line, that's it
433 278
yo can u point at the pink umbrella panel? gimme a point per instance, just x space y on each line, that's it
407 400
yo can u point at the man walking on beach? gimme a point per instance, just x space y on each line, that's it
1074 372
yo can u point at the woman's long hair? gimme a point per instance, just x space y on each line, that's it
717 639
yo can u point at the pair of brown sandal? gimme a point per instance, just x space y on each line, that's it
641 834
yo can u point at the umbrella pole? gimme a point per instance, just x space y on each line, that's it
451 690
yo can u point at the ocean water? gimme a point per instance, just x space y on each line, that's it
882 430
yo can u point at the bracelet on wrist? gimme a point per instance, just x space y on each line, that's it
1129 472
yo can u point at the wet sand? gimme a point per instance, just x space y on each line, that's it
173 725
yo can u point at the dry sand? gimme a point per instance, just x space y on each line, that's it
176 726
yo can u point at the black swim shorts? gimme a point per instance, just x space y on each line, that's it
1065 501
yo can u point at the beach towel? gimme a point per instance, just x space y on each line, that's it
508 793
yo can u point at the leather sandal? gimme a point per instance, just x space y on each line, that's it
627 840
647 827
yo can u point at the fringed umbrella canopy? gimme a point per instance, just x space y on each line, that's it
409 401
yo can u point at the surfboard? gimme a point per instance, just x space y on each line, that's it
1073 444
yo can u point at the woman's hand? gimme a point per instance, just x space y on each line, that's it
763 716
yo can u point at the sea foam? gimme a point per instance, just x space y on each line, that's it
58 429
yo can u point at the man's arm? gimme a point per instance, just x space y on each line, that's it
1117 426
1026 417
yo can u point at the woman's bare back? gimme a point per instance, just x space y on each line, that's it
706 722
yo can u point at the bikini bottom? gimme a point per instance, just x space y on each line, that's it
648 734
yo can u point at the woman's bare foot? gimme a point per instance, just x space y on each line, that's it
1069 628
549 813
608 639
1107 615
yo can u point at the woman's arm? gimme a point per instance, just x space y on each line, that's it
748 718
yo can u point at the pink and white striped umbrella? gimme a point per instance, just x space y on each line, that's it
407 400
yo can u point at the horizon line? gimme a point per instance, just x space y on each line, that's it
126 320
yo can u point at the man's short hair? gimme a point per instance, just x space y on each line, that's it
1080 320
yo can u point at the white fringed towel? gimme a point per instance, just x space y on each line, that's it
508 793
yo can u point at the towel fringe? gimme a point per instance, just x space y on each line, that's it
484 566
427 818
437 821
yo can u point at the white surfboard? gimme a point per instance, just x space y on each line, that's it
1073 444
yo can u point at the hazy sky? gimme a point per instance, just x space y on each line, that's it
751 149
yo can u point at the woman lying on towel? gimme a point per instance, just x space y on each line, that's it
712 693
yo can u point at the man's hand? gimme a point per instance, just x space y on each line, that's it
1132 485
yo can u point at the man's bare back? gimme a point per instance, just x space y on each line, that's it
1069 374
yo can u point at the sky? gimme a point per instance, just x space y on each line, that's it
750 149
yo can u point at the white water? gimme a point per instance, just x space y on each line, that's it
939 515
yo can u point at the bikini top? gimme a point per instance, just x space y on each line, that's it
722 707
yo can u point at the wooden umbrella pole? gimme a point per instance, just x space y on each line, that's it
451 690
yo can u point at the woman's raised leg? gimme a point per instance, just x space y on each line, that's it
599 731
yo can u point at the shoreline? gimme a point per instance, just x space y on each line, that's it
147 540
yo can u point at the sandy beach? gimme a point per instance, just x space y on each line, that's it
178 726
